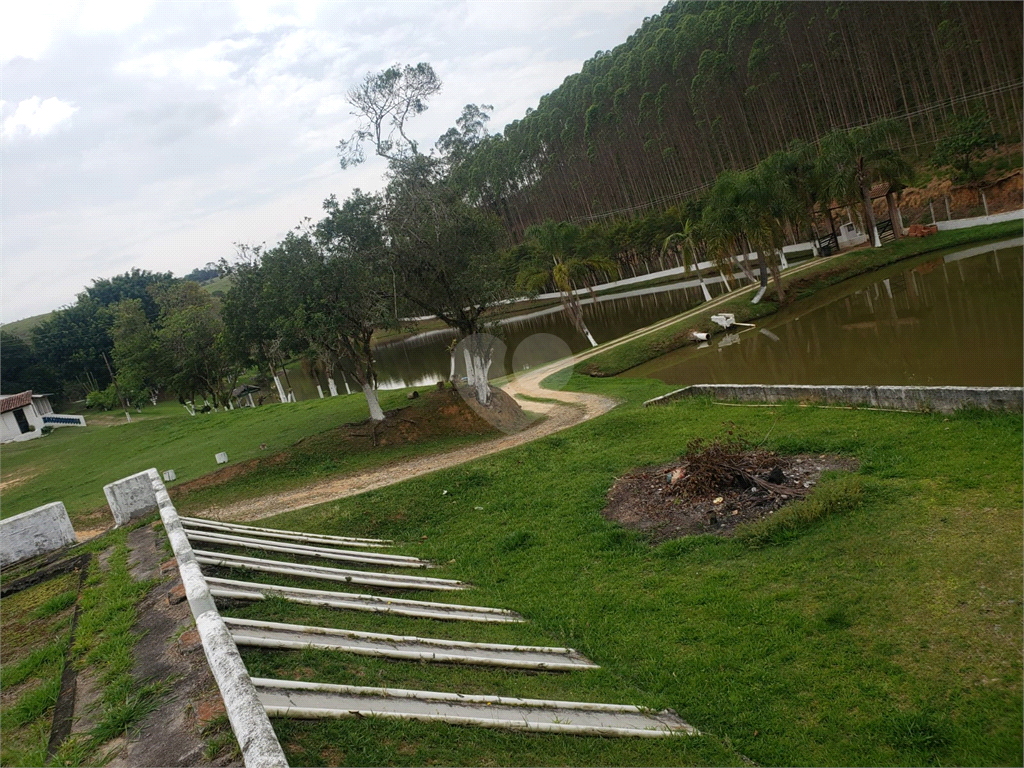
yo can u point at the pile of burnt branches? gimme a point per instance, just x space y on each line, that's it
727 463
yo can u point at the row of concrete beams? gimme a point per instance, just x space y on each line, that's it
325 553
246 590
367 578
267 634
315 700
275 533
288 698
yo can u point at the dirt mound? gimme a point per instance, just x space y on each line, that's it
502 411
660 502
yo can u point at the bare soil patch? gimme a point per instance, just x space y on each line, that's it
654 500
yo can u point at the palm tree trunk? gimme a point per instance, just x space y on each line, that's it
869 216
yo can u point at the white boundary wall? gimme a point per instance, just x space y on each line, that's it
995 218
40 530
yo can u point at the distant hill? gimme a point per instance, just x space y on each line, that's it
23 328
221 284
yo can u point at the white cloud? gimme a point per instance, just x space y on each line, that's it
29 29
37 117
205 68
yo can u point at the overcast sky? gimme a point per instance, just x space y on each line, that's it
157 134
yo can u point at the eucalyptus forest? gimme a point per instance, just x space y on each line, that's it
716 129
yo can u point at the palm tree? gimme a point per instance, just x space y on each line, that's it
853 161
692 246
561 258
747 212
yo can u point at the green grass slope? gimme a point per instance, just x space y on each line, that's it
884 632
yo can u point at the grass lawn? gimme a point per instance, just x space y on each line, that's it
34 635
885 634
823 274
73 464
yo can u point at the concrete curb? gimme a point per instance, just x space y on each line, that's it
927 399
256 737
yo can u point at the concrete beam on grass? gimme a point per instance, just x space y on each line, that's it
36 532
132 496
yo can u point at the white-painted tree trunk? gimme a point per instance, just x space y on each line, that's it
344 380
371 400
190 409
332 387
590 338
291 395
251 403
451 372
704 288
320 391
280 389
480 368
782 260
470 378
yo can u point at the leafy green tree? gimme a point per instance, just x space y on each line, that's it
22 369
136 284
72 342
445 256
192 335
255 311
442 249
140 366
969 135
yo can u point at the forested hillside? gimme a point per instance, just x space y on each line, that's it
709 86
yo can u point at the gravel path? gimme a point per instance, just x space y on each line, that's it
571 408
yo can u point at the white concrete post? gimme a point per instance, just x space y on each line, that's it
131 497
40 530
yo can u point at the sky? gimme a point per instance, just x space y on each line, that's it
158 135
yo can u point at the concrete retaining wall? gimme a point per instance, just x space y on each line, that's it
35 532
256 737
131 496
940 399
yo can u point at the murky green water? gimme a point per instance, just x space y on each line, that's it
954 319
530 340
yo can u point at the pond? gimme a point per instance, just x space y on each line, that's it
952 319
530 339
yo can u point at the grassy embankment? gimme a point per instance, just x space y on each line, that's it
73 464
36 634
879 625
800 286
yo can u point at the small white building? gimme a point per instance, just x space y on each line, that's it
23 416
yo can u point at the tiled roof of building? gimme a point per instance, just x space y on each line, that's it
10 402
